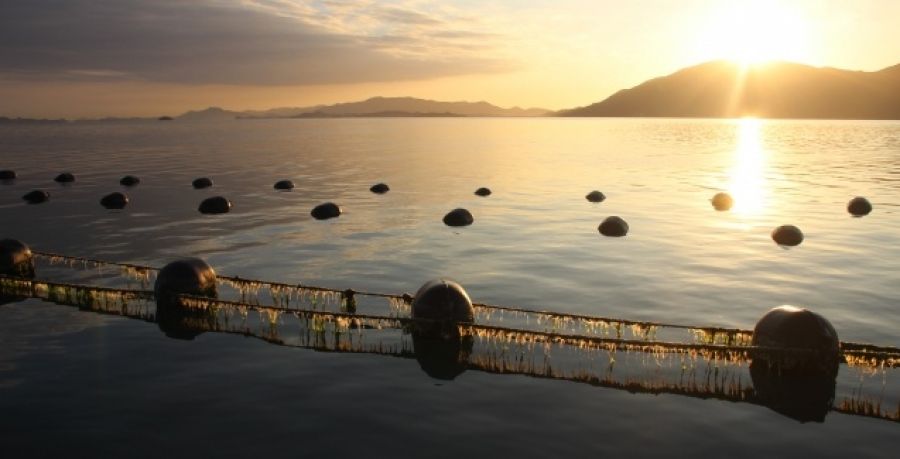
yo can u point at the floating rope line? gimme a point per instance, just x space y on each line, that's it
500 350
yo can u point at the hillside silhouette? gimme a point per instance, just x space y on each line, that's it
772 90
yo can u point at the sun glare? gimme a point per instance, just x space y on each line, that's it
747 182
755 31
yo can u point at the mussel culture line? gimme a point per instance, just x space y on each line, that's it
637 356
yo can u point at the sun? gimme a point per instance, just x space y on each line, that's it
755 31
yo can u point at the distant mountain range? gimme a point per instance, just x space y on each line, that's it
774 90
374 107
711 90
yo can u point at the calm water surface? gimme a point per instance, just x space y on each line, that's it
73 381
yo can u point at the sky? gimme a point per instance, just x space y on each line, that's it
95 58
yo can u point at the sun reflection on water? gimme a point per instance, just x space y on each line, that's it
747 178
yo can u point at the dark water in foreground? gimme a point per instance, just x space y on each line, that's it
80 382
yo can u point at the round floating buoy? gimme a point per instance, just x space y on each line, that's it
483 191
595 196
202 182
613 227
326 211
284 185
36 196
722 201
380 188
7 174
458 217
190 276
215 205
65 177
114 201
129 181
859 206
16 259
789 327
788 235
443 358
443 300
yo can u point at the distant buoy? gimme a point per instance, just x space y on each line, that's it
789 327
202 182
722 201
284 185
36 197
595 196
16 259
7 175
443 300
859 206
613 227
483 191
788 235
380 188
215 205
326 211
129 181
458 217
114 201
65 177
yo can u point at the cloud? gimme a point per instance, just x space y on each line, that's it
240 42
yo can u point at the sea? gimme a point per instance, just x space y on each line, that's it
86 381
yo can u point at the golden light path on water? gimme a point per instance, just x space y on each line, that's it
747 182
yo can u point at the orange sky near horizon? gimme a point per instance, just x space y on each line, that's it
251 54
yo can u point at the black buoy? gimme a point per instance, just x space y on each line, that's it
613 226
284 185
483 191
458 217
36 196
443 300
595 196
129 181
326 211
7 174
788 235
215 205
789 327
202 182
722 201
16 259
380 188
189 276
114 201
443 357
859 206
65 177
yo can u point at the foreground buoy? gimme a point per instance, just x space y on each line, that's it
7 174
483 191
788 235
789 327
284 185
202 182
326 211
215 205
188 276
129 181
16 259
458 217
613 227
443 300
443 357
380 188
595 196
859 206
36 197
114 201
65 177
722 201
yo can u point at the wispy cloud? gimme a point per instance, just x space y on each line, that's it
244 42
